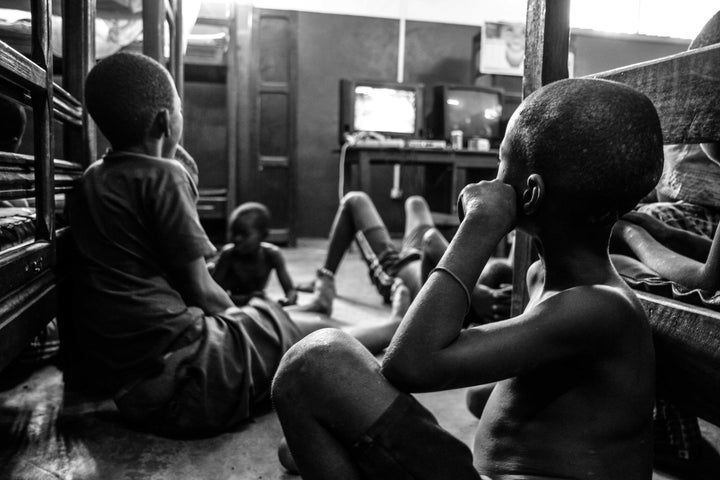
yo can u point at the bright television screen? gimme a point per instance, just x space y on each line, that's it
382 109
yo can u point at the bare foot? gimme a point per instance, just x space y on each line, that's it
322 298
307 286
400 299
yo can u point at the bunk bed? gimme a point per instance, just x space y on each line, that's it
155 14
682 87
33 261
35 244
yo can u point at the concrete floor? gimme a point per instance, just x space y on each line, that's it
47 433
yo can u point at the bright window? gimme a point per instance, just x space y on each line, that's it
669 18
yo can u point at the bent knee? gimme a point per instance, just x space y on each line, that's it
431 238
496 272
312 364
355 198
535 275
416 203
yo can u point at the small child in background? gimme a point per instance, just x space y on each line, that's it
244 265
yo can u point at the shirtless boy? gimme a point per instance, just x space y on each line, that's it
575 371
244 265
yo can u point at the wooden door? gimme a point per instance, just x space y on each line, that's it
272 122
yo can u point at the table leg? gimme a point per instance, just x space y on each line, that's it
458 183
364 174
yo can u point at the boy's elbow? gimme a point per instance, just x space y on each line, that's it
408 375
709 279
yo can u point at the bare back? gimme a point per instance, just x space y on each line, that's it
585 416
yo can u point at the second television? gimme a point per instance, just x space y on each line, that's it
389 108
476 111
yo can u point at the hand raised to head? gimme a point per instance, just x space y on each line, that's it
493 201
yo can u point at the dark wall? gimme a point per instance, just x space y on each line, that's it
205 133
331 47
438 53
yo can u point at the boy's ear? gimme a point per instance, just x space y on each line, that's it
533 195
161 124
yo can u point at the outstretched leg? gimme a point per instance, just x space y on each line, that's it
491 295
375 337
433 248
356 214
419 225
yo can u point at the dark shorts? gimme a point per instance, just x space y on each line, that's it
406 442
218 381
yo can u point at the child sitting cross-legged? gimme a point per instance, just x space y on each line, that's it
244 265
574 371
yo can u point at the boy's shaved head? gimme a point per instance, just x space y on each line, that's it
124 93
597 144
709 35
255 213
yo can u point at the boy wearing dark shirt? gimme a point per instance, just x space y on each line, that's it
575 370
152 326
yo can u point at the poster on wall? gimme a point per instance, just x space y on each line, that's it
502 48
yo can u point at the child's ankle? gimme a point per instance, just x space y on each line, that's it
324 272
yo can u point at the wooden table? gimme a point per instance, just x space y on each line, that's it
362 159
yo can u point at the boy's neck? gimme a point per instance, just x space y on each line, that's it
575 256
150 147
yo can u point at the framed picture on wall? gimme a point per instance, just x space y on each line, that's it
502 48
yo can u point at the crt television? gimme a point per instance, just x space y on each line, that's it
389 108
476 111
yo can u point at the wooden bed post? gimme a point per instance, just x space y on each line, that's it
153 13
547 36
177 54
42 104
78 59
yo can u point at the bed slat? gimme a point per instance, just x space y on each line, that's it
687 349
23 314
684 88
19 69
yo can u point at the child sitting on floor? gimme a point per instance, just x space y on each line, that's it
575 370
244 266
150 326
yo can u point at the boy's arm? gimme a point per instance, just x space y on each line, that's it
672 265
284 277
431 351
221 269
435 318
198 288
681 241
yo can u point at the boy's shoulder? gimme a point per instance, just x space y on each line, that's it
271 252
598 314
270 248
612 301
145 166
